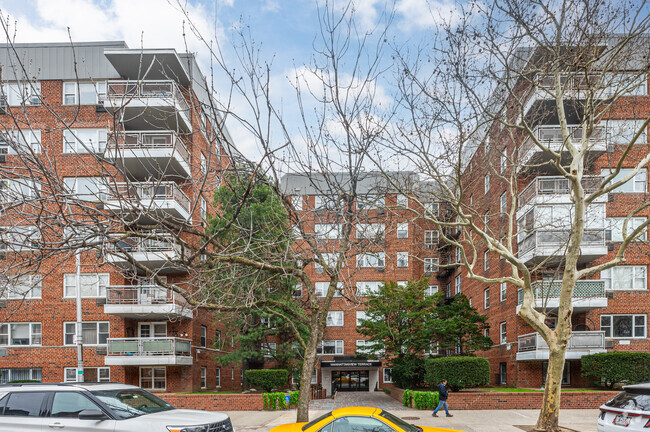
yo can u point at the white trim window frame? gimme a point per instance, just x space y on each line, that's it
217 375
366 288
25 287
430 290
614 228
320 289
330 347
431 238
625 278
402 259
371 260
503 333
637 184
486 183
335 319
486 298
402 200
22 93
93 285
458 284
387 375
155 378
83 93
636 328
86 140
20 334
101 332
403 230
103 374
503 291
361 315
431 265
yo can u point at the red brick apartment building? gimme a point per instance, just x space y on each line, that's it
108 122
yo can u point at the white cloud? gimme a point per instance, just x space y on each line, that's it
424 14
271 6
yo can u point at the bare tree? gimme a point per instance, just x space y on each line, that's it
538 94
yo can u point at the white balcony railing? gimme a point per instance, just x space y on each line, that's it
138 295
126 90
148 140
584 289
554 185
581 342
557 238
551 137
147 347
161 243
150 192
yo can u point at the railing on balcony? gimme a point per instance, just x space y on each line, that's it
544 186
157 346
151 191
544 290
148 140
557 238
127 90
139 295
162 243
579 341
551 136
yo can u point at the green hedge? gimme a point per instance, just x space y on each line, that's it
274 401
460 372
420 399
268 379
614 368
408 372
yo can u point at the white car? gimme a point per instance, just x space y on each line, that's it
627 411
99 407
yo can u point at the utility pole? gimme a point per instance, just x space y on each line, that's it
80 348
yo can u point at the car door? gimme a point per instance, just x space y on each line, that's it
23 411
64 414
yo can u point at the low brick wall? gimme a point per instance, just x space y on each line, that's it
474 400
216 402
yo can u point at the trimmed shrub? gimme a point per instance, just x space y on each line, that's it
268 379
460 372
276 400
613 368
407 398
408 372
420 399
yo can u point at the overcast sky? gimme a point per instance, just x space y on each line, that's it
286 28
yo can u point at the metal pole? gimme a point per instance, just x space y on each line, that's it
80 350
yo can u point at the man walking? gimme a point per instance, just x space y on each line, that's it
442 396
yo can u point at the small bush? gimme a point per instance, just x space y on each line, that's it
273 401
614 368
268 379
425 400
407 398
460 372
408 372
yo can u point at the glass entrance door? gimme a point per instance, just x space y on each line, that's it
350 380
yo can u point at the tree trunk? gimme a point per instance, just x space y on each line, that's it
548 420
308 367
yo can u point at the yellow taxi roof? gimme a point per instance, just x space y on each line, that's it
368 411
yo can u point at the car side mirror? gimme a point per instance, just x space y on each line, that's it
91 414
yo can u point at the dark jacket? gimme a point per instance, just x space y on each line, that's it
442 392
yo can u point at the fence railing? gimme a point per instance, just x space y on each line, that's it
150 191
162 243
551 136
139 295
550 238
555 186
580 340
551 289
148 140
126 90
157 346
317 392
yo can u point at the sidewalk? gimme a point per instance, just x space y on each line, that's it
469 421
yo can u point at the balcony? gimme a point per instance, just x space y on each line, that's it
550 246
150 154
148 201
587 295
157 253
551 190
165 351
550 136
581 343
145 301
140 105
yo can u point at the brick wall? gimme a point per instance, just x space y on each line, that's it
216 402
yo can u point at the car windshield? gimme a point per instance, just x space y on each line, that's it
631 400
313 422
399 422
132 403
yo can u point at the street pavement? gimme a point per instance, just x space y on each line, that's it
466 420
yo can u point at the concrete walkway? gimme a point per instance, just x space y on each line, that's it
375 399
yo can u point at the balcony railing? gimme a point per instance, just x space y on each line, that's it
145 245
557 238
138 295
161 346
584 289
551 137
579 341
157 191
127 90
545 186
148 140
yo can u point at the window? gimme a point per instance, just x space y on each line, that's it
333 347
402 200
566 373
433 349
486 260
370 202
431 237
368 288
388 375
458 284
100 374
27 404
20 334
335 318
267 322
320 289
503 203
430 290
376 259
204 336
504 291
204 164
327 231
296 201
432 209
486 298
502 333
70 404
204 209
622 278
18 190
19 374
19 238
402 259
84 140
93 333
268 349
360 424
218 377
503 373
153 378
93 285
330 260
86 188
297 290
83 93
430 265
403 230
204 377
22 93
21 141
21 287
623 131
636 184
370 231
486 332
487 144
504 161
459 255
623 326
217 339
487 183
361 315
614 231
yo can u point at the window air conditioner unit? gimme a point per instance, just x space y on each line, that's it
34 100
100 108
